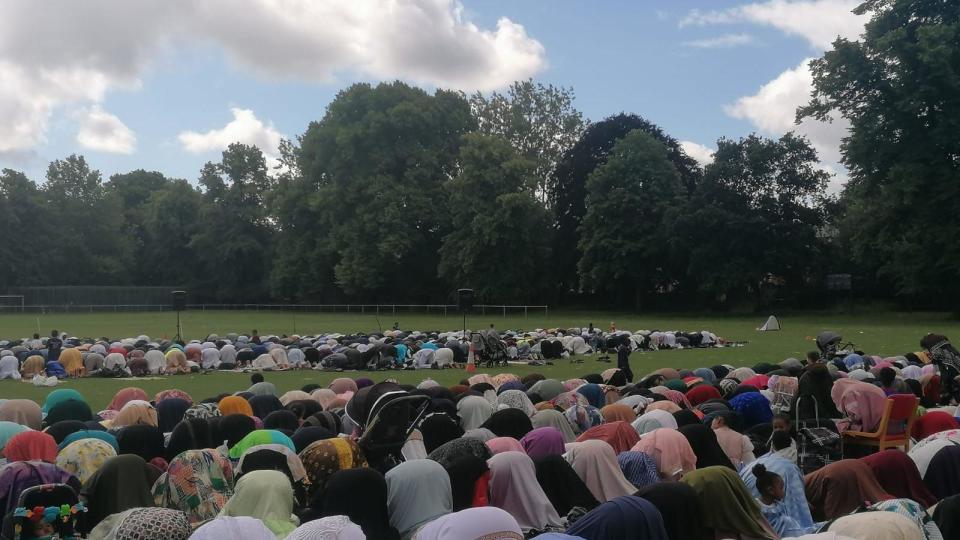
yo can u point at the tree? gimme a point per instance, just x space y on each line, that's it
495 214
130 191
91 226
30 237
373 173
899 87
540 122
170 219
755 218
233 243
569 181
631 199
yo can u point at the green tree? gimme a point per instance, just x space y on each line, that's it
496 241
233 243
91 225
130 191
569 181
899 87
624 236
170 219
540 122
373 171
753 224
30 236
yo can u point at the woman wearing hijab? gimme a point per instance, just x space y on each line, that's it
499 445
170 412
282 420
813 394
702 393
942 476
593 393
123 482
840 488
876 526
638 468
947 517
472 524
473 411
244 527
144 441
31 446
197 482
82 458
897 474
59 431
135 413
679 507
32 366
583 417
728 509
267 496
670 450
417 492
618 412
596 464
258 437
685 418
554 419
544 441
620 435
324 458
22 411
70 409
623 518
307 435
230 429
753 408
513 487
235 405
144 524
361 495
72 362
126 395
509 423
446 454
9 367
58 396
516 399
469 481
565 490
924 426
437 429
189 434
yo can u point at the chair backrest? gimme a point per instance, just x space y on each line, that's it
900 414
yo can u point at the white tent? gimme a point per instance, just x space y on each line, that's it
772 325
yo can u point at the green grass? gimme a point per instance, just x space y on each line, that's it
878 333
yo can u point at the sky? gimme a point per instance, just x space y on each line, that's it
167 84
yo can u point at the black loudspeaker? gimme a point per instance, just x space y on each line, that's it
465 299
179 300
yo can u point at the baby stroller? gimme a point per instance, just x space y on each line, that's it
488 349
53 507
385 414
829 344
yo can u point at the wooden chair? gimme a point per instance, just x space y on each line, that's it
900 409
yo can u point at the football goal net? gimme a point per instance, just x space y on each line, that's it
11 303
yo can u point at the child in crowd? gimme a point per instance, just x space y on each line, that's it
782 441
736 446
772 491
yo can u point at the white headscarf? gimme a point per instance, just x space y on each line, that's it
473 411
485 522
328 528
225 527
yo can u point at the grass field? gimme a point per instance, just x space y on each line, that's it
877 333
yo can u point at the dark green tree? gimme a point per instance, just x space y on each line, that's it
170 218
569 184
899 87
539 121
373 171
30 236
233 242
624 235
496 240
753 226
130 191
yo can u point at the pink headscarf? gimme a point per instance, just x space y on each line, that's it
504 444
324 396
670 450
864 403
343 385
125 396
514 488
668 406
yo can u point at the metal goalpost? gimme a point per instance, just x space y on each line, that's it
11 302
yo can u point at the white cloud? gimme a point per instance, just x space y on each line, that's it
720 42
703 154
245 128
62 54
817 21
104 132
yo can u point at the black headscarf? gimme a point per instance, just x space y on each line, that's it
685 417
304 408
593 378
282 420
446 406
60 430
438 429
232 428
170 412
190 434
464 472
947 516
562 485
264 405
325 419
141 440
121 483
71 409
509 423
307 435
813 394
704 443
361 495
453 450
679 506
943 474
482 387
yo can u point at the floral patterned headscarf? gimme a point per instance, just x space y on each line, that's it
198 482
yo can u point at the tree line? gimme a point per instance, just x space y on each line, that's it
401 195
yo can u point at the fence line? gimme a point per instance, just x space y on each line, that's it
373 309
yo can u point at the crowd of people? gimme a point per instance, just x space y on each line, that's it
717 452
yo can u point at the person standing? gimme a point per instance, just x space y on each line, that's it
623 358
54 346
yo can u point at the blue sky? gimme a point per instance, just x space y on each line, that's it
124 85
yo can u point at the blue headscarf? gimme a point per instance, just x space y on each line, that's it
706 374
593 393
639 468
583 417
624 518
795 499
90 434
853 361
754 408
